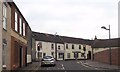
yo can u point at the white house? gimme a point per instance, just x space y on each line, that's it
61 47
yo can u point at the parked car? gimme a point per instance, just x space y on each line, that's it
48 60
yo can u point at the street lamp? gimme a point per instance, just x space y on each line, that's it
103 27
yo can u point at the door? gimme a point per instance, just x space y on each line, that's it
20 56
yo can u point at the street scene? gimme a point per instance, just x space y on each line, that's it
59 35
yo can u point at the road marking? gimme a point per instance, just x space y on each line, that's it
84 65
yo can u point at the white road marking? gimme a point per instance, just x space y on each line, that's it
84 65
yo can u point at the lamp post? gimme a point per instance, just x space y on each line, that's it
103 27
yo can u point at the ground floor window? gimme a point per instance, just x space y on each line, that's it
82 54
60 55
4 55
68 55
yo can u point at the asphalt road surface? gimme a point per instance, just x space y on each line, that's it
68 65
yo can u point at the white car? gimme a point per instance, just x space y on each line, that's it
48 60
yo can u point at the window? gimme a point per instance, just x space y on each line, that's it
16 21
52 53
72 46
68 55
20 26
24 29
4 55
66 46
4 16
60 55
38 48
82 54
59 47
52 46
79 46
84 48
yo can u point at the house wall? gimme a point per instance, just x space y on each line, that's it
102 55
7 37
46 48
76 48
33 49
29 45
1 35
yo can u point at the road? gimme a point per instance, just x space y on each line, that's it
67 65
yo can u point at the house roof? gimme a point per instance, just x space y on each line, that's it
97 43
59 39
103 43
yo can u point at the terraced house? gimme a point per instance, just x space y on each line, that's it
16 37
62 47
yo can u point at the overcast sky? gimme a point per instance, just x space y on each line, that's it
73 18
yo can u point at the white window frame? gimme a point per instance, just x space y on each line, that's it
16 21
4 16
24 33
60 55
20 27
68 55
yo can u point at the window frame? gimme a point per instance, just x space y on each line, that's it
4 16
16 21
72 46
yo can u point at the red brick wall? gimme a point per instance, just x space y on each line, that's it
103 56
15 53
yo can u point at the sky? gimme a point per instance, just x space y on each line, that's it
73 18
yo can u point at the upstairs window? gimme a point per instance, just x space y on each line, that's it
16 21
52 46
59 47
24 29
4 16
66 46
79 46
20 27
72 46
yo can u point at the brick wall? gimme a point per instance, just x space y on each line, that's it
103 56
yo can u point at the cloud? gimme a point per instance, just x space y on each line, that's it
77 18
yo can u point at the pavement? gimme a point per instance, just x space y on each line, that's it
31 66
100 65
